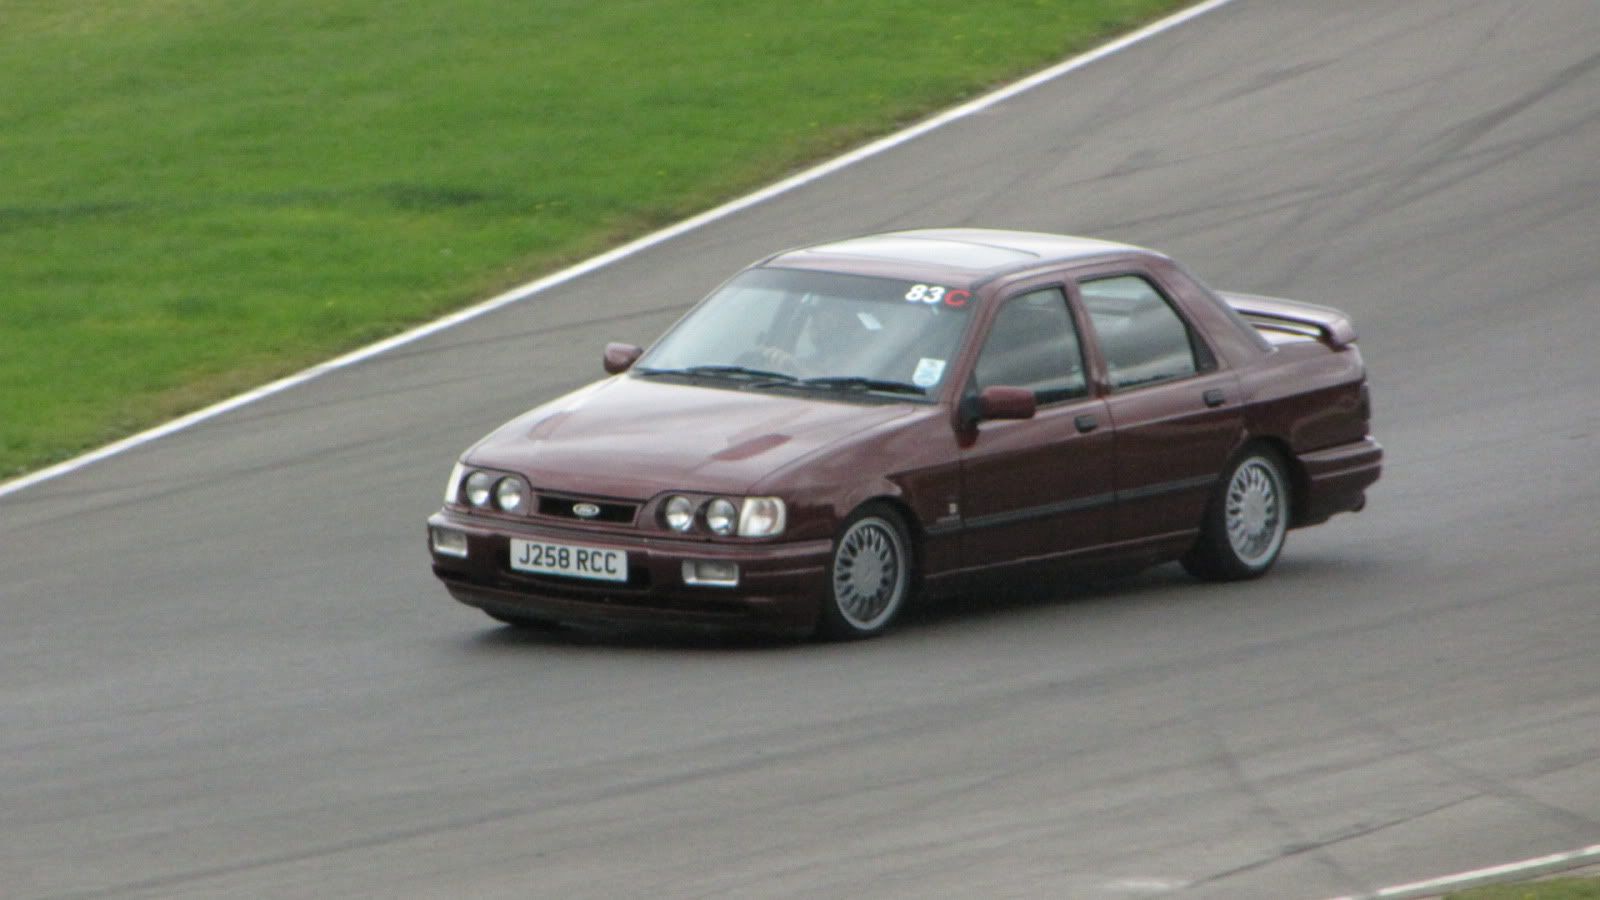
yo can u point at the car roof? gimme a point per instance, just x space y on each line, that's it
968 255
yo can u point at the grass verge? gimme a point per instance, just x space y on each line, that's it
199 197
1553 889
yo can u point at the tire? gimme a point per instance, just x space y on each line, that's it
870 576
1246 521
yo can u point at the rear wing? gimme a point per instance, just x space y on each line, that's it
1281 320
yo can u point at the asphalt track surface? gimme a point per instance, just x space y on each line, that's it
226 670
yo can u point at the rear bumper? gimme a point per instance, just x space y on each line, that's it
1336 480
780 585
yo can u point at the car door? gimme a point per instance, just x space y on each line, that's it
1174 408
1040 487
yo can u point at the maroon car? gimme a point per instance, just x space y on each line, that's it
840 429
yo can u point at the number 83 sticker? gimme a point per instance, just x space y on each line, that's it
934 294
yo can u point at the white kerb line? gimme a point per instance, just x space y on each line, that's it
1516 871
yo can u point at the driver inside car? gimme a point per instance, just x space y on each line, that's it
830 336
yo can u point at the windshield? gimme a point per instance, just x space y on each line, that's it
819 330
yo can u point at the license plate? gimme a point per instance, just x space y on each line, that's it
575 561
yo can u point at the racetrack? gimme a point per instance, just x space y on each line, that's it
226 670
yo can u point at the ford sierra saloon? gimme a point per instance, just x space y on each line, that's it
842 429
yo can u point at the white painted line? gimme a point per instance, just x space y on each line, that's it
619 253
1517 871
1148 885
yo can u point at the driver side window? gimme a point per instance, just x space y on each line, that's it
1033 344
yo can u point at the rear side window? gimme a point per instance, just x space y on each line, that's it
1033 344
1141 336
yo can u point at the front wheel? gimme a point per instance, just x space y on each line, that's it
870 577
1245 523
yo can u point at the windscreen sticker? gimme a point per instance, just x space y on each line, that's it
933 294
928 373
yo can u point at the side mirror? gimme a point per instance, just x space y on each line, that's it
999 402
620 358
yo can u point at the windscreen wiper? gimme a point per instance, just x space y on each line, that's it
863 383
721 371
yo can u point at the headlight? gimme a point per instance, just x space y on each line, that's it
762 517
679 513
452 491
721 515
479 486
510 496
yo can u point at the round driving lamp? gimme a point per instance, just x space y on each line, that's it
679 513
509 495
479 487
721 515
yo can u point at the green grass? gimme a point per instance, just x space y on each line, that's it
196 196
1554 889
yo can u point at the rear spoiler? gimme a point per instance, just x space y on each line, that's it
1323 323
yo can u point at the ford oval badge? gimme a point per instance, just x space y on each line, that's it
585 510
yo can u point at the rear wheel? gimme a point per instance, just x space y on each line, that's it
870 576
1246 521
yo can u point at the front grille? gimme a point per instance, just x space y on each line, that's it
566 508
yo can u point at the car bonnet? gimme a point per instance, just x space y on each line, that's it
628 437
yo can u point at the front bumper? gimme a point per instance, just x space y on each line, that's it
781 585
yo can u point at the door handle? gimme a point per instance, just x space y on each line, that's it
1215 397
1086 424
